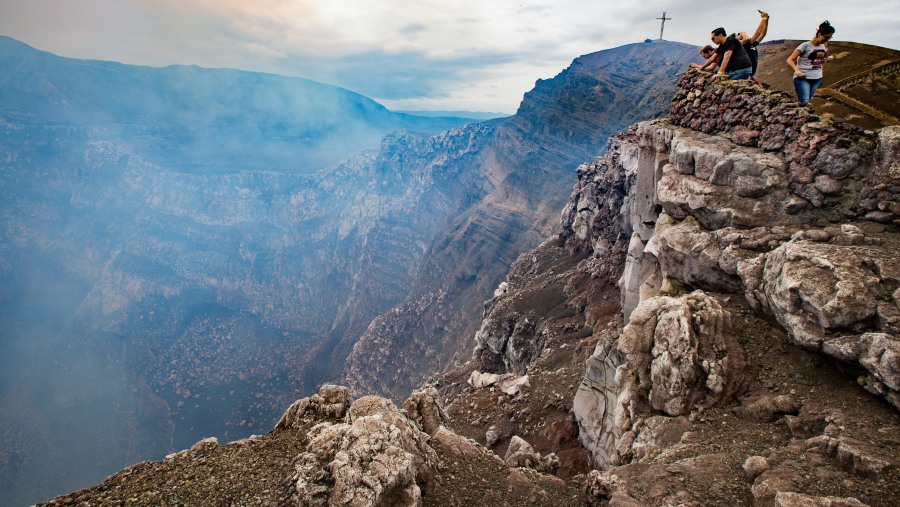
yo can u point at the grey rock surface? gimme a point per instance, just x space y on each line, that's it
426 409
683 352
376 457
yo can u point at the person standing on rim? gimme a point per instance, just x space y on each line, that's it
807 61
735 62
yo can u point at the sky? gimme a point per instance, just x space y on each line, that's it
450 55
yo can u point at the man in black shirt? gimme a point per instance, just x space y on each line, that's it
735 62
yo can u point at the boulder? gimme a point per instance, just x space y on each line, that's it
683 352
754 466
331 402
513 385
508 383
521 454
840 299
426 410
492 436
377 457
479 380
766 407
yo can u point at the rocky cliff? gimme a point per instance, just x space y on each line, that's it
754 357
185 251
716 324
525 169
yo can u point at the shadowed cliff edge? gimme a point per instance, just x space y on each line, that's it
716 324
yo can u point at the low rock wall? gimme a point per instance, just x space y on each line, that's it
821 156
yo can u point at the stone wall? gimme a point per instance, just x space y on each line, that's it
821 156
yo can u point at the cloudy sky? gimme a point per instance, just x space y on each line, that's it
477 55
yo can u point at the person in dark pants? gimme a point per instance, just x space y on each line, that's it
750 43
807 61
735 62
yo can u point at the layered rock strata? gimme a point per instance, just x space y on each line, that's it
524 165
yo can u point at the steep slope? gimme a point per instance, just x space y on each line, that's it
177 262
527 164
751 357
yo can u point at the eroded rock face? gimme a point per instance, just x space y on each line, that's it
376 457
680 351
596 405
691 254
426 409
777 206
815 288
840 299
507 344
683 352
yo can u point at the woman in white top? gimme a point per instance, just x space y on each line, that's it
807 61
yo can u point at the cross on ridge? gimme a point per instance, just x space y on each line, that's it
663 24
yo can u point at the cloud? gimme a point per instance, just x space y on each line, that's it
412 55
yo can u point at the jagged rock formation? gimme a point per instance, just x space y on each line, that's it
757 290
785 224
331 450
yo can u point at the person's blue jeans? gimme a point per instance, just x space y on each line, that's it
806 88
740 74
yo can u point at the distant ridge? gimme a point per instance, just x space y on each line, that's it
475 115
293 123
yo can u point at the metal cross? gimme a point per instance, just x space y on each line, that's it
663 25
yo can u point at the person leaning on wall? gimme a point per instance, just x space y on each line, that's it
706 52
807 61
735 62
